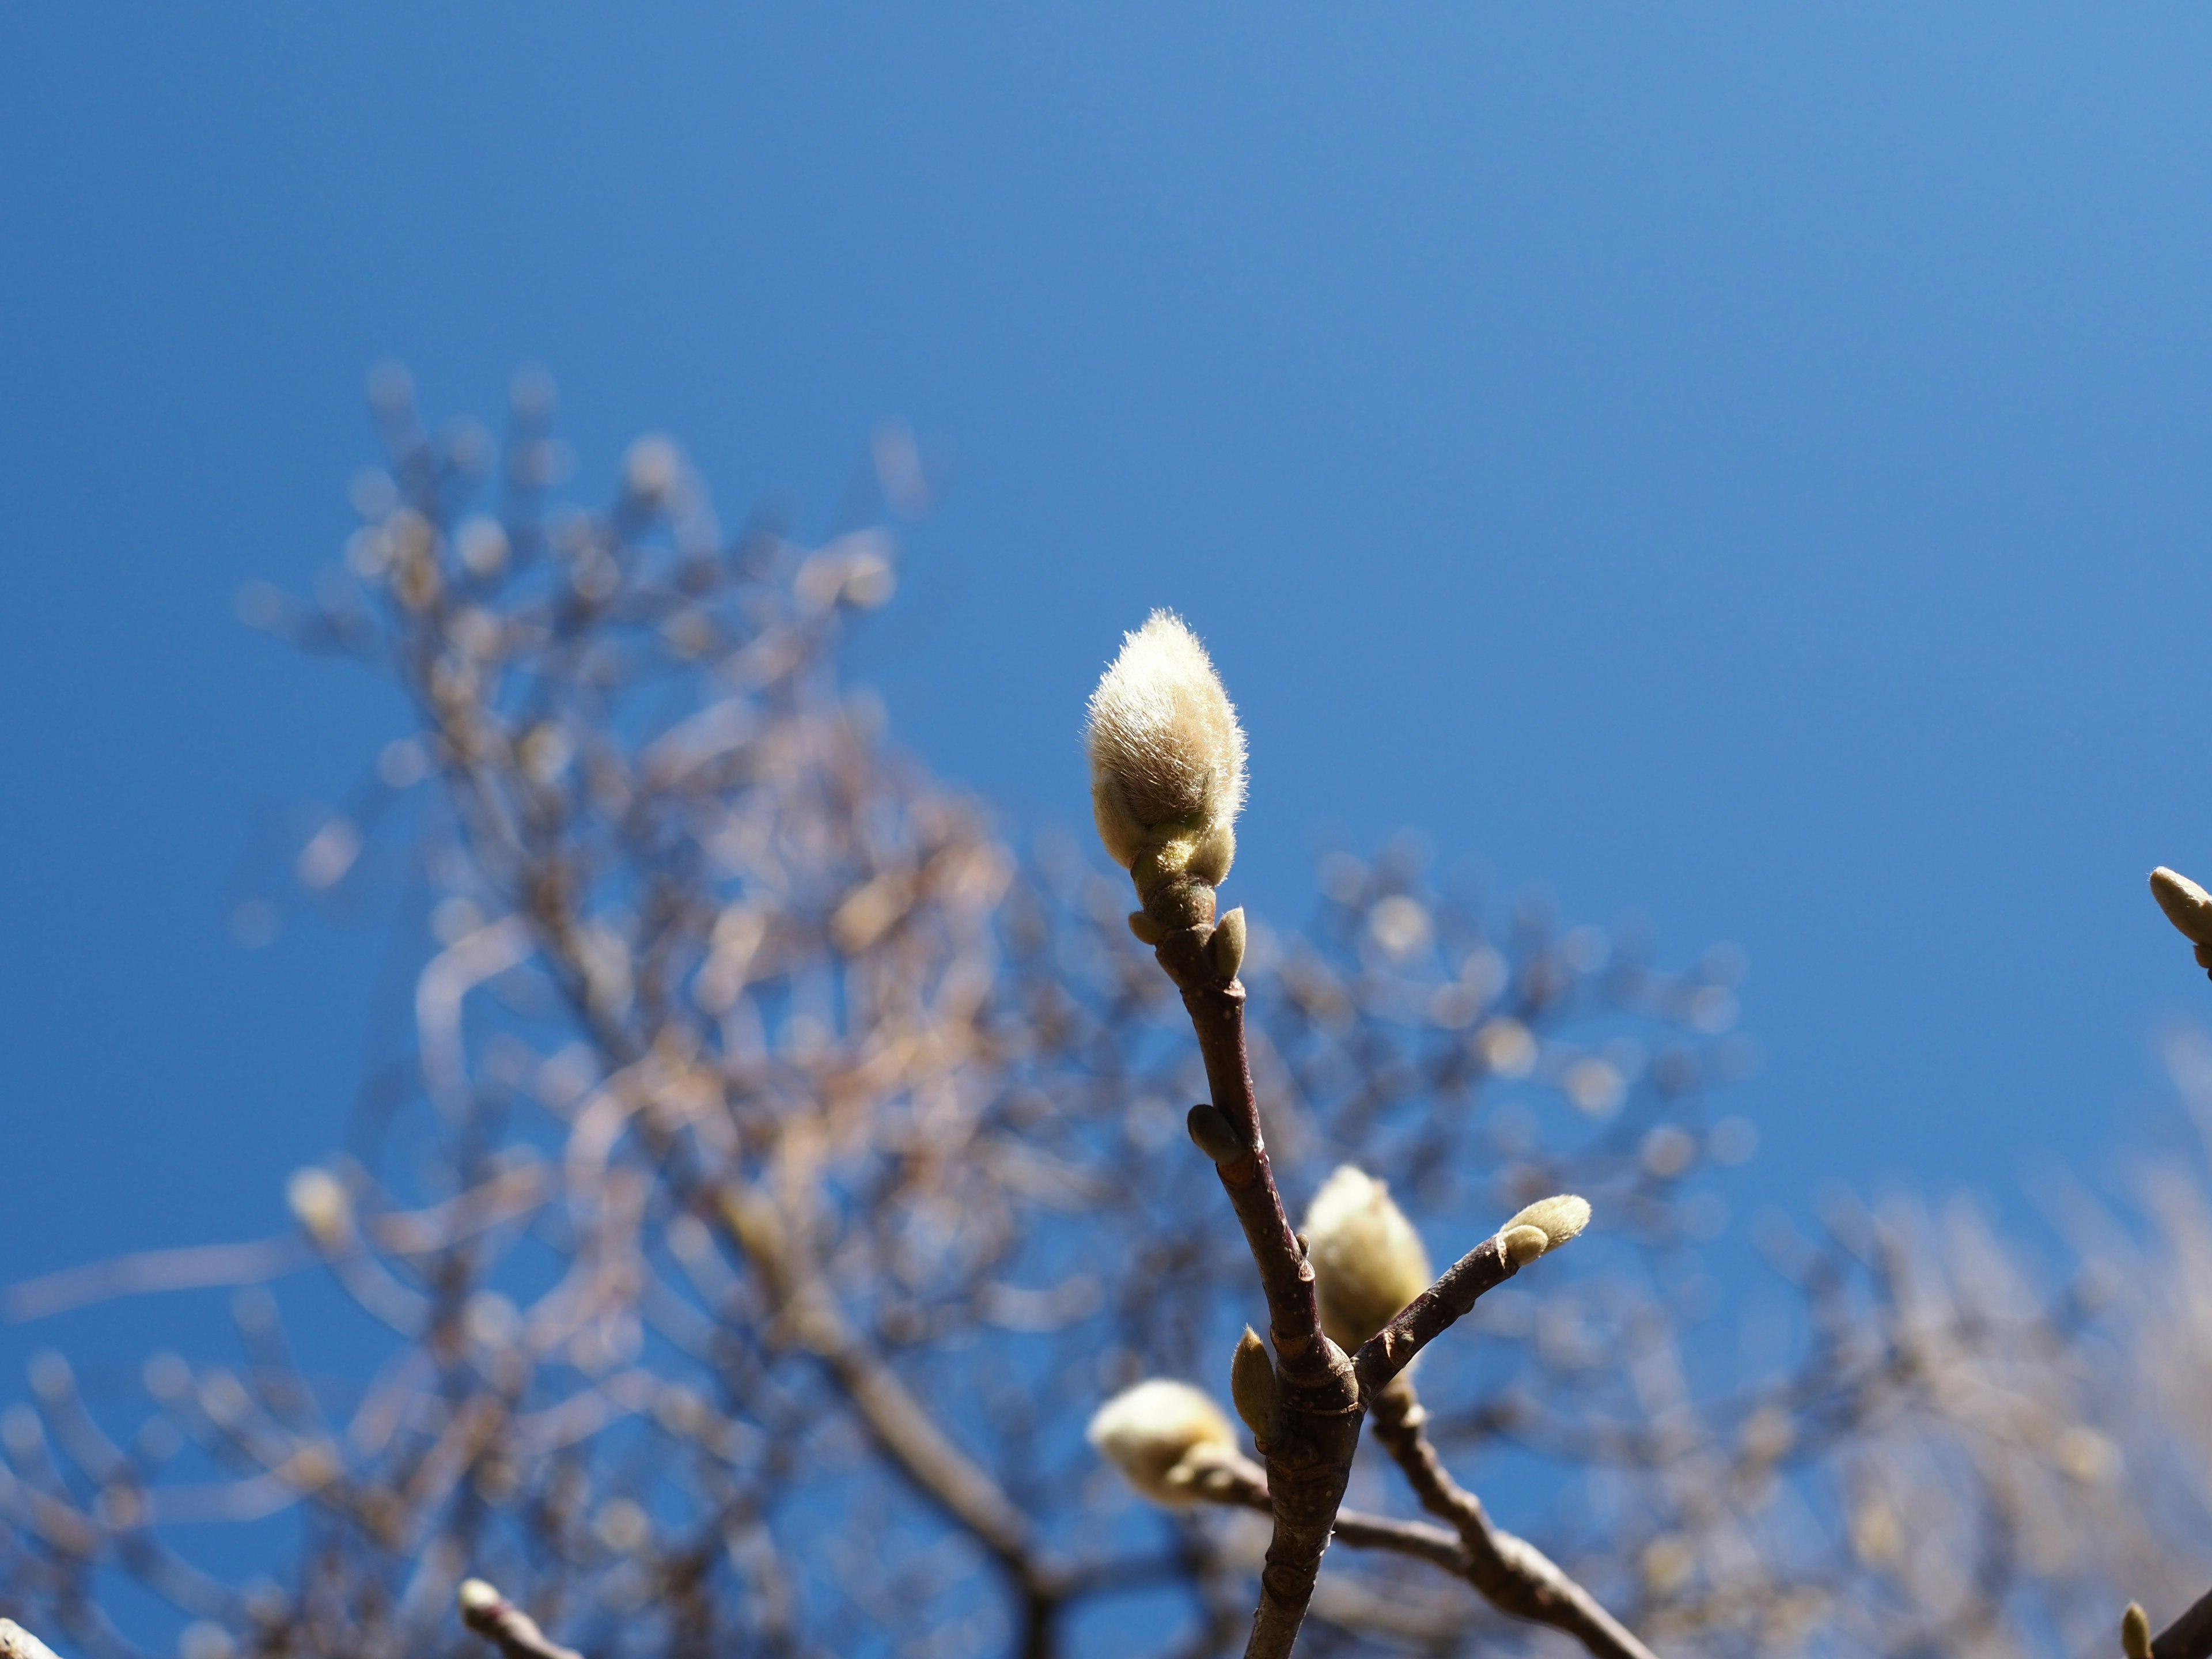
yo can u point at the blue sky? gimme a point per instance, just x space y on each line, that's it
1740 464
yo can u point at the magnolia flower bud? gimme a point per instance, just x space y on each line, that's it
508 1627
1554 1220
1164 1436
1368 1262
1167 765
1252 1383
2188 907
477 1597
2135 1632
320 1204
16 1643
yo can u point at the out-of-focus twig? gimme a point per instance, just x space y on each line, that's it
505 1626
1512 1575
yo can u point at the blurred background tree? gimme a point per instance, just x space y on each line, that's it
782 1169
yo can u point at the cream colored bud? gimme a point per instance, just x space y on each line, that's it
1557 1219
1368 1260
1167 756
1252 1383
2135 1632
1522 1245
2187 906
1164 1436
16 1643
320 1204
477 1597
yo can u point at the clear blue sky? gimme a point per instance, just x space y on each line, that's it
1743 463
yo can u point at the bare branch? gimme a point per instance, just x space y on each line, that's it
1237 1480
2189 1637
1513 1576
1431 1314
1317 1397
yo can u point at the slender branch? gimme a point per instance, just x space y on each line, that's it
2189 1637
507 1627
899 1424
1512 1574
1237 1480
1431 1314
1216 1017
1316 1427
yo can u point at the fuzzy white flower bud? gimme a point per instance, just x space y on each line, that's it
1552 1221
1167 759
1367 1259
1164 1436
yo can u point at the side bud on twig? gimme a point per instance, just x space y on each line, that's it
1252 1384
1226 948
1368 1260
1164 1436
1167 774
1543 1227
1211 1133
2134 1623
2188 907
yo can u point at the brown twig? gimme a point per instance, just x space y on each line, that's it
896 1421
1317 1425
2189 1637
1239 1481
1431 1314
1512 1575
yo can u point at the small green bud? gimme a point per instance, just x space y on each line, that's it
1147 931
1252 1383
1226 948
2135 1632
1212 1134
